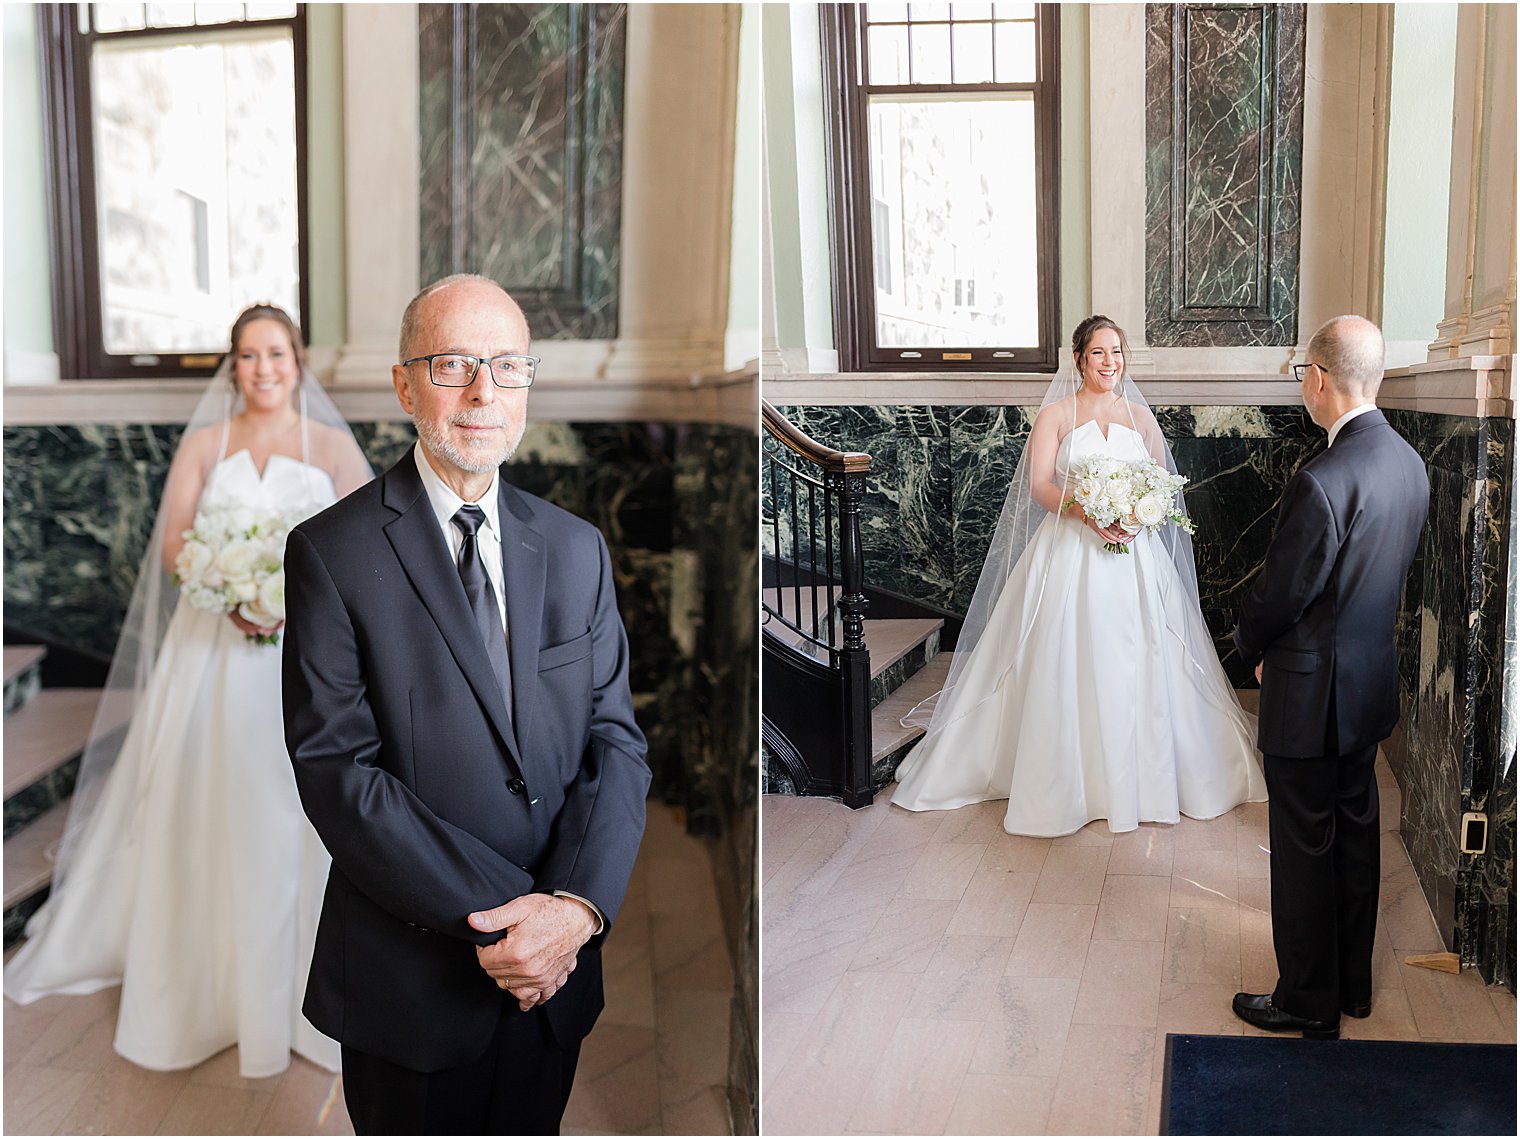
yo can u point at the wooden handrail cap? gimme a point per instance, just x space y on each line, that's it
784 431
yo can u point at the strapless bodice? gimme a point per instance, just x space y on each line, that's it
1087 439
295 489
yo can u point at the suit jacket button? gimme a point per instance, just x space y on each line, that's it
516 786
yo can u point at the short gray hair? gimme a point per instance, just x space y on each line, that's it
410 318
1350 350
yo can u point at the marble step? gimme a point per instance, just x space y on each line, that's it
23 674
43 742
890 739
900 648
29 857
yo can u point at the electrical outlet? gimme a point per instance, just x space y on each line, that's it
1474 832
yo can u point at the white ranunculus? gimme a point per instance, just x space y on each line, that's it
1151 510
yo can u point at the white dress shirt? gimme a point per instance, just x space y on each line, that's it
1335 428
446 504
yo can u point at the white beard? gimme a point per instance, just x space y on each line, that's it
476 462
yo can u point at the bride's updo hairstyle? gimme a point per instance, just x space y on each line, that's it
266 312
1082 336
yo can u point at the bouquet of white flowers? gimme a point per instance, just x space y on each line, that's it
234 559
1136 495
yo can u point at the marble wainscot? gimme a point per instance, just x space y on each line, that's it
80 503
940 475
1453 750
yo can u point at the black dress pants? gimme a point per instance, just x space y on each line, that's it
1322 817
519 1086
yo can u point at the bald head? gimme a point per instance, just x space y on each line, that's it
1350 350
462 289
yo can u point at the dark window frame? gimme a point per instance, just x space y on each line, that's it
849 185
73 233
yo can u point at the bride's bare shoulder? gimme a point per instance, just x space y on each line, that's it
201 444
1142 415
1053 415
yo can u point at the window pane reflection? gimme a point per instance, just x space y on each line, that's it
196 176
973 53
953 189
116 17
931 53
889 55
1016 53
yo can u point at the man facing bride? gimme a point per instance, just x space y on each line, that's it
1085 684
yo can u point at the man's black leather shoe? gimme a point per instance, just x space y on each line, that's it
1360 1011
1257 1009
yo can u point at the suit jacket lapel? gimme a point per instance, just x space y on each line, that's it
524 566
420 548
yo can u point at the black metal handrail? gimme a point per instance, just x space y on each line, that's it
813 574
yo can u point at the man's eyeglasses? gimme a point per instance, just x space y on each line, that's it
1300 369
456 370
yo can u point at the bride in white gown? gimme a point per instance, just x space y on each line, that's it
1085 684
188 873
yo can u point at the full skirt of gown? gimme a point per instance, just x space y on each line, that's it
197 882
1094 692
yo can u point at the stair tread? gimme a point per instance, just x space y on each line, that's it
46 732
891 639
887 730
29 854
19 658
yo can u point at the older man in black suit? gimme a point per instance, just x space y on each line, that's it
458 714
1318 625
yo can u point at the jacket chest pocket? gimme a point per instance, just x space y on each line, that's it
565 653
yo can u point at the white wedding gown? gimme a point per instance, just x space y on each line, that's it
1112 706
197 882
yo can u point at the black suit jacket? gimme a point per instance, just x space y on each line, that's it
1321 612
432 801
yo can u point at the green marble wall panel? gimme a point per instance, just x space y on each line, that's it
1456 666
675 502
1223 172
521 129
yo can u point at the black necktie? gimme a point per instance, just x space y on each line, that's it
477 587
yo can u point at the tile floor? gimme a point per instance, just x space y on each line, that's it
657 1062
928 973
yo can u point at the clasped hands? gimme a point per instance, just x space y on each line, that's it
1113 534
544 932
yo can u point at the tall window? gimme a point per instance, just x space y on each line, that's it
176 162
942 170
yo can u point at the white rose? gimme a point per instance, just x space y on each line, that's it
1088 489
237 559
255 614
272 595
1151 509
